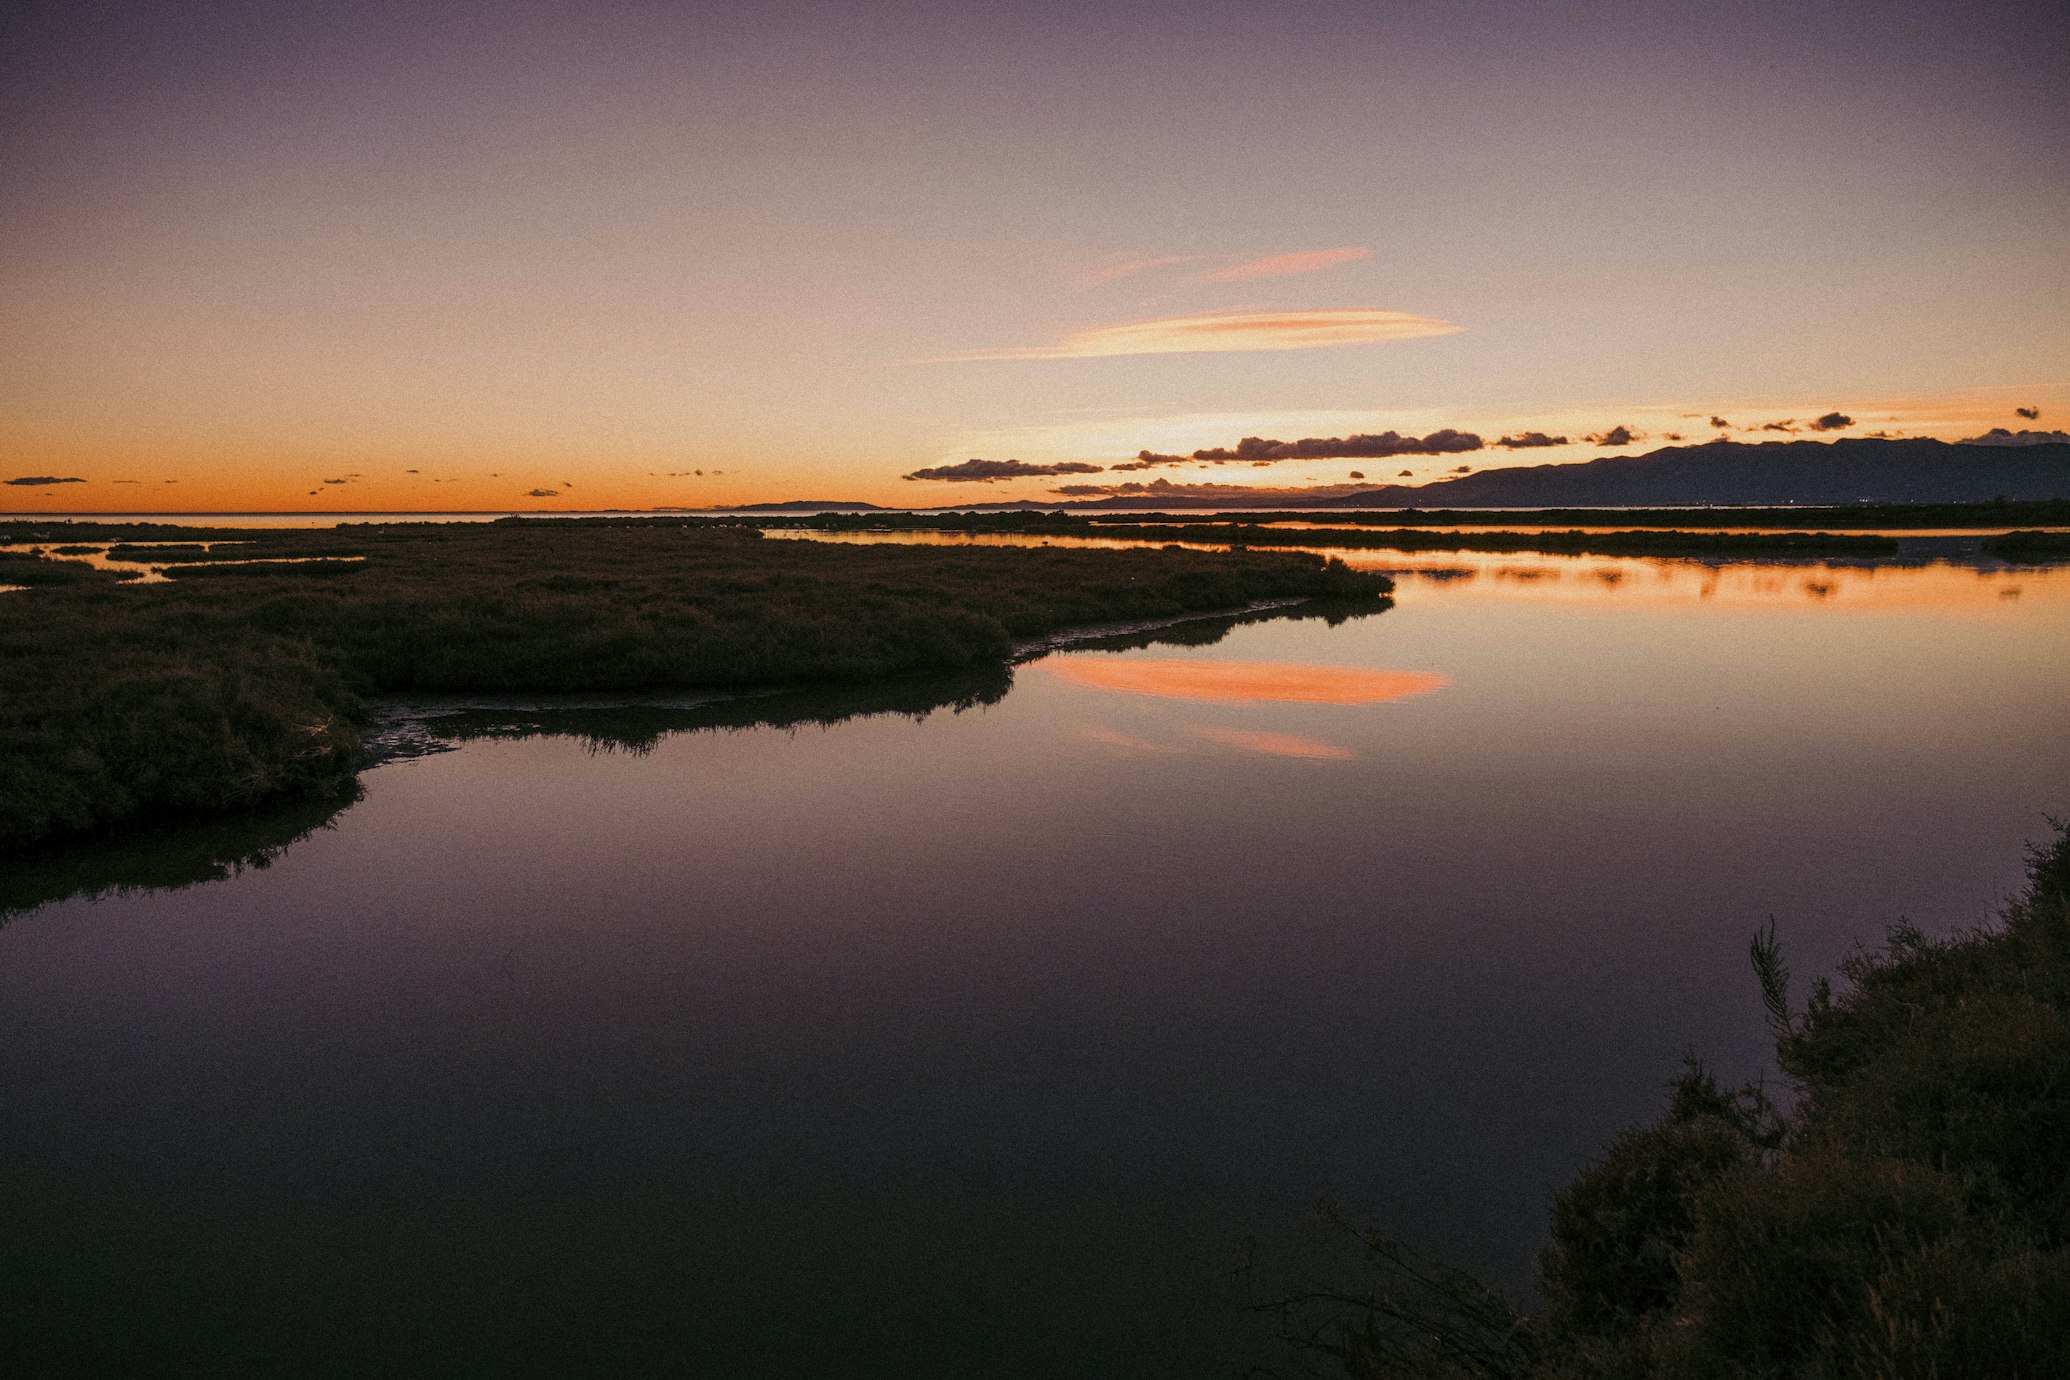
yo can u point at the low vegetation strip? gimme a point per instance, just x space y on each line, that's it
29 570
2029 548
1907 1216
1890 517
235 685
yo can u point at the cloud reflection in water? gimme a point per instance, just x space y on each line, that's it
1277 744
1177 678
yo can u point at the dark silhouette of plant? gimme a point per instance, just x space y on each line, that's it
1908 1216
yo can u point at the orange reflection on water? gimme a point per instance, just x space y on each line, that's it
1955 590
1277 744
1126 742
1174 678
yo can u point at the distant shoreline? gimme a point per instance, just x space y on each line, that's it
1980 516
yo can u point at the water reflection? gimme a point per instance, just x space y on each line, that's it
1276 744
637 728
1293 682
981 1044
163 859
179 856
1939 573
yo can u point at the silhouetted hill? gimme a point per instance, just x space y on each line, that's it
1731 472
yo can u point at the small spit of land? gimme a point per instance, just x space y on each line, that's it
229 685
1907 1216
2029 548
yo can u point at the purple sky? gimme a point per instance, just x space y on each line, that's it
599 248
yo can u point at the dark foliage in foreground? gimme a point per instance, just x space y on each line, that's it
231 685
1908 1217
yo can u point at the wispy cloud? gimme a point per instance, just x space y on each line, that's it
1286 265
1109 273
37 480
1221 332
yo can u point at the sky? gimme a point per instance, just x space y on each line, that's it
388 256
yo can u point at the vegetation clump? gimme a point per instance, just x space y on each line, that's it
235 684
1908 1216
2029 548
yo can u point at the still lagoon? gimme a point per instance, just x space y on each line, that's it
853 1036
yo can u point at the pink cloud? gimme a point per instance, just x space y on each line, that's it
1216 332
1114 272
1286 265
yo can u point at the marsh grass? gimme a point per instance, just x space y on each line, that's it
1671 542
1894 517
2029 548
32 570
233 685
1908 1216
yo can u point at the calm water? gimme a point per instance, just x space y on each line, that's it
979 1043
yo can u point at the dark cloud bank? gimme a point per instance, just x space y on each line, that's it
28 480
1999 436
1260 450
1265 451
985 471
2015 465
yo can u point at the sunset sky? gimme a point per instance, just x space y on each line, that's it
499 256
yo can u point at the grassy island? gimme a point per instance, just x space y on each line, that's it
1908 1215
2029 548
229 685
